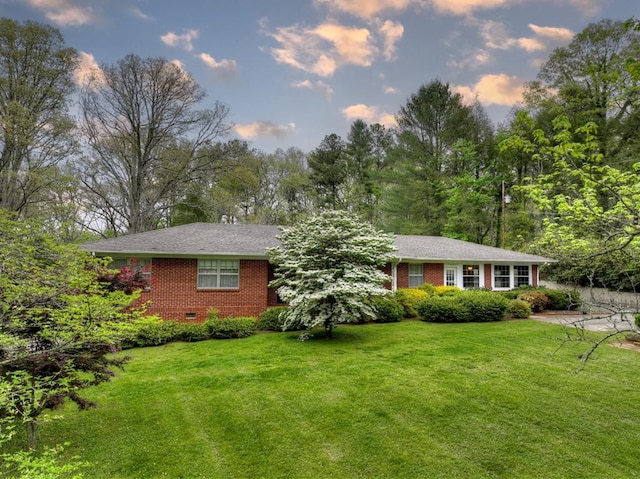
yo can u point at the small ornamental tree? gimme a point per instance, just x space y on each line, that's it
59 325
328 269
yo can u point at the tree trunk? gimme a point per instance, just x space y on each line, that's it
32 433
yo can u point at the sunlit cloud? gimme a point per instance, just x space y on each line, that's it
318 86
65 13
223 68
369 114
553 33
470 61
465 7
494 89
183 41
391 32
136 12
389 90
496 36
264 128
323 49
588 8
87 70
369 8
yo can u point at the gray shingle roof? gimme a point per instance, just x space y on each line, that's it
203 239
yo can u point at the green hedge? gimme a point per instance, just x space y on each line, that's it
464 306
229 328
163 332
519 309
408 298
388 309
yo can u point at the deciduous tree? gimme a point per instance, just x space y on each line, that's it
328 268
147 140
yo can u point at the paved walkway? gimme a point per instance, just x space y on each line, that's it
601 321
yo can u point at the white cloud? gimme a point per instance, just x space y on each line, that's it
264 128
369 8
323 49
465 7
588 8
389 90
87 67
471 61
496 36
64 13
494 89
319 86
369 114
223 68
136 12
391 33
182 41
553 33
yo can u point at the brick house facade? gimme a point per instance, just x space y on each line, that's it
202 266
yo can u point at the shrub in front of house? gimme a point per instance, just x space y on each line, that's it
157 332
537 300
519 309
561 300
408 298
464 306
427 288
387 309
229 328
190 332
272 319
446 290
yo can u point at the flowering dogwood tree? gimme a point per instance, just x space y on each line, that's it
328 268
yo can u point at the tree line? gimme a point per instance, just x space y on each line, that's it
145 151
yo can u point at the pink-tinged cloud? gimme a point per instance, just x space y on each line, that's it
318 86
553 33
184 41
369 8
65 13
588 8
494 89
223 68
323 49
369 114
264 128
496 36
391 32
87 70
465 7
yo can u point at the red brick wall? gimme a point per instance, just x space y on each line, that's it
434 273
174 293
487 276
403 275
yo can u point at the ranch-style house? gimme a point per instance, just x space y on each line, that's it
200 266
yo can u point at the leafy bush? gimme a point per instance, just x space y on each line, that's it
464 306
561 300
427 288
408 298
229 328
446 290
519 309
272 319
388 309
158 332
537 300
443 309
637 320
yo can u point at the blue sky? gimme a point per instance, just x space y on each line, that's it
293 71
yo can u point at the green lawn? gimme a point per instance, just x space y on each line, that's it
403 400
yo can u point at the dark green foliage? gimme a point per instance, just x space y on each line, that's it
536 299
408 298
477 306
561 300
164 332
519 309
272 319
229 328
388 309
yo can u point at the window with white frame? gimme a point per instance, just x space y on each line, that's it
218 273
471 276
450 276
501 276
521 275
416 277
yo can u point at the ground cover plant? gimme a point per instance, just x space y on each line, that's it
402 400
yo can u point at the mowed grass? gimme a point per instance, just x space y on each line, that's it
403 400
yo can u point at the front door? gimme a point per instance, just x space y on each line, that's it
450 276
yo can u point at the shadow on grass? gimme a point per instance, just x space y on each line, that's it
344 333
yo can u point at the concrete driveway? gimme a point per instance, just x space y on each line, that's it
595 321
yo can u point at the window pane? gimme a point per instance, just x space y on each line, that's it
207 281
214 273
228 281
471 276
521 275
